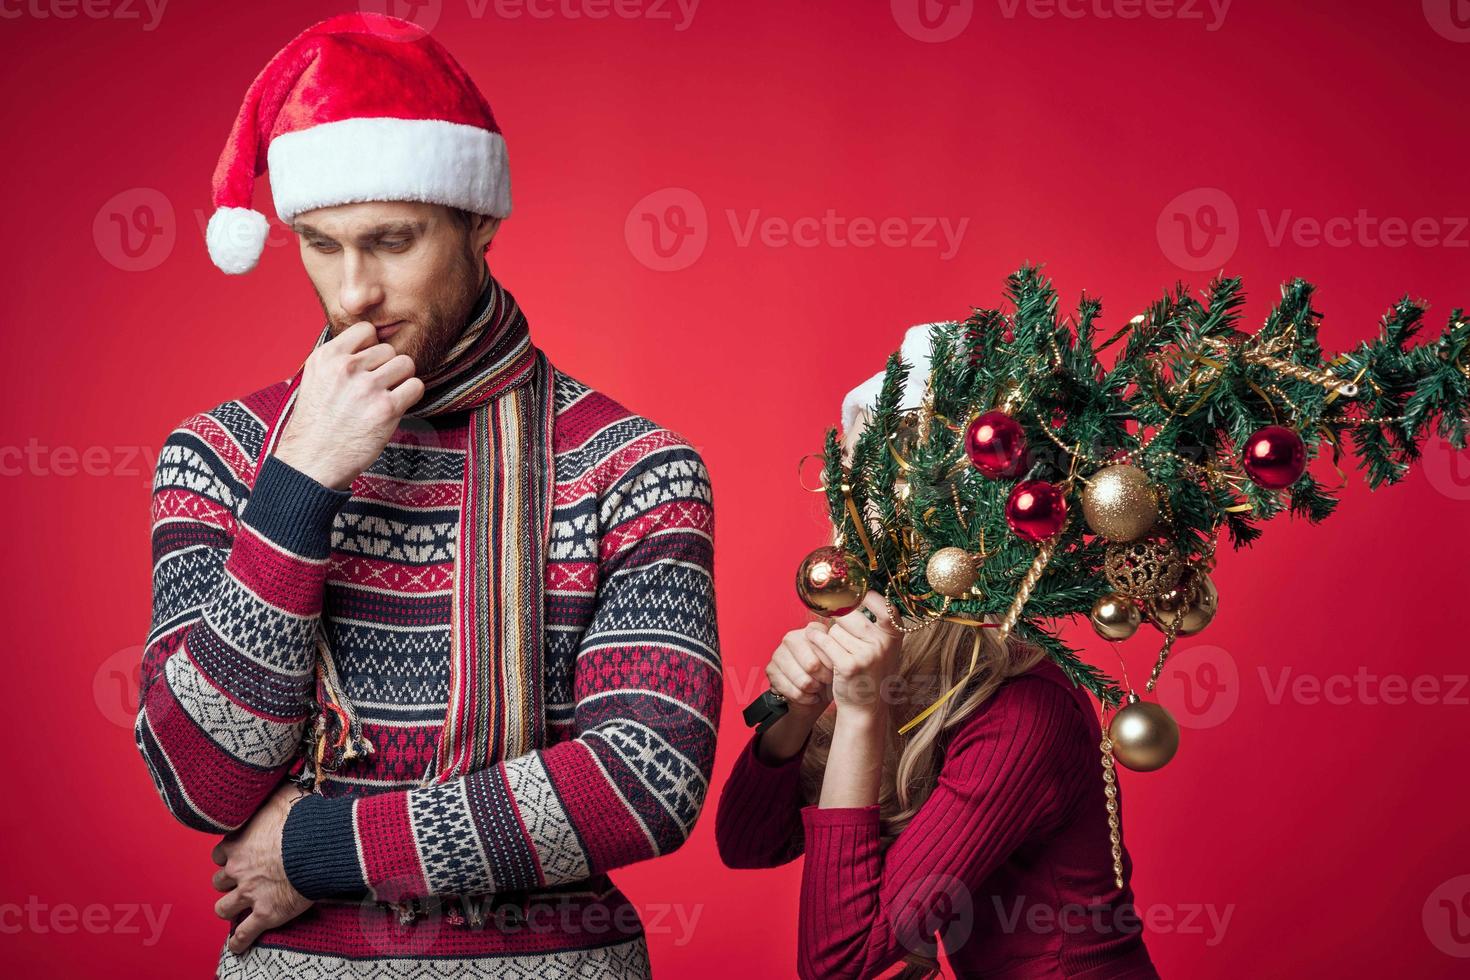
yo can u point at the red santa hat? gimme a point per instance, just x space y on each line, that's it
360 107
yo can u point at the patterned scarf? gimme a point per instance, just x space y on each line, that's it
496 702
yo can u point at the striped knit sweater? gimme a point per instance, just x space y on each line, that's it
508 864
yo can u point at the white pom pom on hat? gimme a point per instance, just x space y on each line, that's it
236 237
917 344
359 107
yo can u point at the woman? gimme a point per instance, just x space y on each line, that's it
986 824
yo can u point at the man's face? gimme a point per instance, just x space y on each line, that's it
410 269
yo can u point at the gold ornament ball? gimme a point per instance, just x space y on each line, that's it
951 572
830 582
1191 604
1144 735
1120 503
1144 568
1115 617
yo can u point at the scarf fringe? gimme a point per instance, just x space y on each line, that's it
336 736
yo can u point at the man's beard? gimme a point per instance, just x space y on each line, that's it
435 329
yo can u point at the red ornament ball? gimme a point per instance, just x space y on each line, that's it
1036 510
996 444
1275 457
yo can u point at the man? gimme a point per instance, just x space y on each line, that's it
463 599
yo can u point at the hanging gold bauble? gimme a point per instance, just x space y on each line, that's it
830 582
1144 735
1120 502
1144 568
951 572
1191 604
905 439
1115 617
907 434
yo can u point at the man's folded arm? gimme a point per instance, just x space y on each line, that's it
227 671
630 782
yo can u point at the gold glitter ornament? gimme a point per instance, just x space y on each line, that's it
951 572
1144 568
1115 617
1120 503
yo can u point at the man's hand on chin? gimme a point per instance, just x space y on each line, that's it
253 876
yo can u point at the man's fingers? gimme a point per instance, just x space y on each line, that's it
398 368
375 356
222 881
247 932
406 395
218 855
355 337
231 905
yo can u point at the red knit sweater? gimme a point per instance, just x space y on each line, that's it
1008 861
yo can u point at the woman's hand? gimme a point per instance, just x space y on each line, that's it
862 654
797 672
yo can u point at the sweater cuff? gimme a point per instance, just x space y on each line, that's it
816 817
792 763
319 849
293 510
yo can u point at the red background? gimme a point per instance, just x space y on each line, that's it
1328 829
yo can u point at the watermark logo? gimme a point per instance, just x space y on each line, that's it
933 21
1446 468
1200 686
148 13
1200 229
937 910
1447 917
1103 919
66 919
135 230
115 686
1211 13
1363 230
678 12
39 460
1449 18
423 15
667 230
1363 687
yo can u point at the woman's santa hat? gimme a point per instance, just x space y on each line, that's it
917 344
360 107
